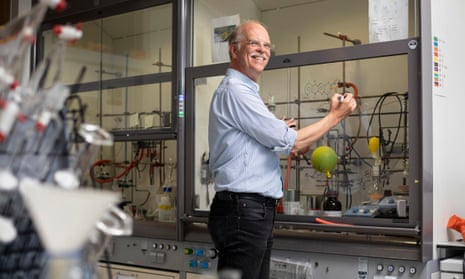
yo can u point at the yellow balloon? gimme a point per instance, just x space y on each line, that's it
373 144
324 159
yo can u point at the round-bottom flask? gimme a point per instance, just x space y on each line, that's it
332 206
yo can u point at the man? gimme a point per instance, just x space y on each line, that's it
245 140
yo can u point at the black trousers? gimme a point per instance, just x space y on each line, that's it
241 227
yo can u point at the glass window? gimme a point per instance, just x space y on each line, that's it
370 147
134 107
303 25
127 90
143 172
124 45
204 190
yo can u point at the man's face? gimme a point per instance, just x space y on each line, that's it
251 53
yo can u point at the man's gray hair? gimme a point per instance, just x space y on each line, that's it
237 34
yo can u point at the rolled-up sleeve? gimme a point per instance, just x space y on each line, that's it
289 136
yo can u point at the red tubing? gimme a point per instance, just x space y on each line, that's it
349 84
118 176
326 222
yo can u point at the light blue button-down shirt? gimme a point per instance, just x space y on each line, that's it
245 139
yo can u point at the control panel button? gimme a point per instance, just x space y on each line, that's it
161 257
379 267
199 252
390 268
204 264
412 270
401 269
188 251
144 245
212 253
193 263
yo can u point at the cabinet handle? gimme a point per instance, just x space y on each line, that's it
120 275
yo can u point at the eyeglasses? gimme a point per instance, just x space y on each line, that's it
256 44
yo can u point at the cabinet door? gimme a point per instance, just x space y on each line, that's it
200 276
129 272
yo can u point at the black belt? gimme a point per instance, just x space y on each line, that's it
232 196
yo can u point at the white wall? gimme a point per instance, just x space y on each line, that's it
447 114
205 11
311 20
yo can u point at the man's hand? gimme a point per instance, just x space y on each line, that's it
291 123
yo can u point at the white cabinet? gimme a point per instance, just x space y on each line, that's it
200 276
129 272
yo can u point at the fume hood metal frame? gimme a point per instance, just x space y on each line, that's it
91 10
386 238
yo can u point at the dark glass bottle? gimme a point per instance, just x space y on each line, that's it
332 203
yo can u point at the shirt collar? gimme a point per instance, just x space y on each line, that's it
236 74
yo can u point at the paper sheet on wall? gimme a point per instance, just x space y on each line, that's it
388 20
447 48
221 28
